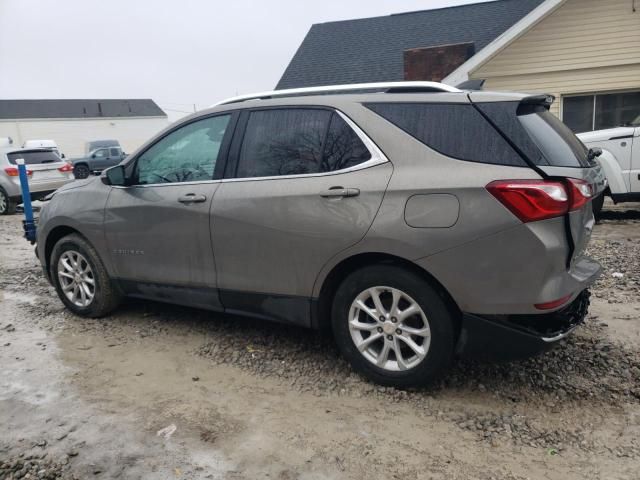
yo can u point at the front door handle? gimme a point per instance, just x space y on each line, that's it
340 192
192 198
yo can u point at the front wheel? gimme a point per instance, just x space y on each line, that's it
80 278
392 326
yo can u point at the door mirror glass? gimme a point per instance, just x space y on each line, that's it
115 176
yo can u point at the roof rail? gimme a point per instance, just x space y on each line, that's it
388 87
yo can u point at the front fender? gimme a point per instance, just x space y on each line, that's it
613 172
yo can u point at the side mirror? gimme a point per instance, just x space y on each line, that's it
594 153
115 176
93 155
62 155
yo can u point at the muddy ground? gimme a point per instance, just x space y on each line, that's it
156 391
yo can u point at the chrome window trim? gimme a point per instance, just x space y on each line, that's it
377 158
168 184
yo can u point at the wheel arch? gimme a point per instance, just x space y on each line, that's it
322 317
53 237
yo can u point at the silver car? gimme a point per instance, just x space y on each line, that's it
46 172
416 221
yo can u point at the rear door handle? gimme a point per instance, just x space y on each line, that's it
192 198
340 192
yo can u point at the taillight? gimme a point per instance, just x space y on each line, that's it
67 167
13 171
531 200
554 304
581 193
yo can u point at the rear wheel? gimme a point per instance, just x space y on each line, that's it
80 278
392 326
81 171
7 207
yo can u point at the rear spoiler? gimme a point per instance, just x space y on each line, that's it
471 85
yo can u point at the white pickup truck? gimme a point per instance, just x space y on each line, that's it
620 160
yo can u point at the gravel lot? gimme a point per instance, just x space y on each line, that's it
158 391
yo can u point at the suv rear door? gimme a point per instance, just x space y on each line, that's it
301 185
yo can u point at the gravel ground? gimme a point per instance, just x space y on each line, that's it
255 400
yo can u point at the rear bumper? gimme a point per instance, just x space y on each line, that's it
512 337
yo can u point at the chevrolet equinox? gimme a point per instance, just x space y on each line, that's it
415 220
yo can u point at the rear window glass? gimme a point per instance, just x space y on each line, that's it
558 143
297 141
455 130
540 135
34 157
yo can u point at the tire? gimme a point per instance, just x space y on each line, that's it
105 297
7 207
81 172
437 339
597 204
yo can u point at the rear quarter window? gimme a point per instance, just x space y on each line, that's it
455 130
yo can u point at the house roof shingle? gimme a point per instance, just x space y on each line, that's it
76 108
371 49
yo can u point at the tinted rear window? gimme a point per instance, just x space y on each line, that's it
540 135
558 143
455 130
34 158
297 141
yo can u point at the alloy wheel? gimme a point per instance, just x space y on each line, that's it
76 277
389 328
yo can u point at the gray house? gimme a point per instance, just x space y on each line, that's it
423 45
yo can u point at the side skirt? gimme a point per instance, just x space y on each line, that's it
290 309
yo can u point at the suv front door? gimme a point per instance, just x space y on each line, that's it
301 185
157 229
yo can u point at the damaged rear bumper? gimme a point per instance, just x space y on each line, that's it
512 337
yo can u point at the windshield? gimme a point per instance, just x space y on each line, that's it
556 141
34 157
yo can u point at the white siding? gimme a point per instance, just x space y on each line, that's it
71 134
584 46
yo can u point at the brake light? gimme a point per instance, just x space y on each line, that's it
67 167
581 193
13 171
531 200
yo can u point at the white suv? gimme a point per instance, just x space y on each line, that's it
620 160
46 172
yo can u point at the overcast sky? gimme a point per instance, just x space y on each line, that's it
178 52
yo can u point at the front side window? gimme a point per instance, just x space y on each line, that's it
188 154
585 113
101 153
298 141
115 152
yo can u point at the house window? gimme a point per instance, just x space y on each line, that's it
584 113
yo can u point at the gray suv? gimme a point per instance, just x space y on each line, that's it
415 220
